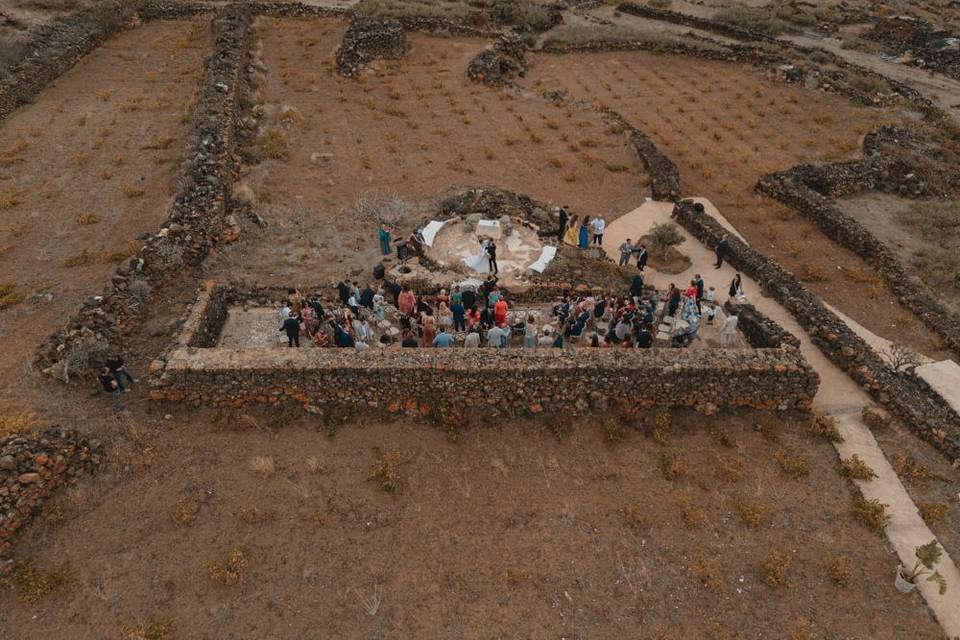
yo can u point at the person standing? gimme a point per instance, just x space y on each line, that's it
598 225
492 256
642 256
406 301
573 229
584 238
500 313
721 251
562 215
626 250
673 300
428 328
458 311
472 340
529 334
636 287
385 239
698 282
736 289
291 326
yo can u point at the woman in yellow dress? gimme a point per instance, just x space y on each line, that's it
573 229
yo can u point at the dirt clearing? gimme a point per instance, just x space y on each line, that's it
391 529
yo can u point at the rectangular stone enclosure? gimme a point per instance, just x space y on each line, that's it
511 381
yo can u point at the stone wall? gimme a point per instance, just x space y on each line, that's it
810 188
369 39
508 382
32 467
902 393
501 61
759 330
55 47
197 215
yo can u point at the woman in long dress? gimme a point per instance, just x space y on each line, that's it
584 233
570 235
428 327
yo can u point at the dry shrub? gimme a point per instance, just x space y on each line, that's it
386 471
185 511
708 573
263 466
272 144
152 631
751 513
230 572
855 468
31 583
775 568
722 437
911 471
812 273
10 295
84 219
871 513
662 421
932 512
313 465
82 259
9 198
792 464
251 514
732 468
672 465
874 419
613 431
693 518
132 191
635 516
825 427
838 568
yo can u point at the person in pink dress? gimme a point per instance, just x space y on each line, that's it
406 301
428 328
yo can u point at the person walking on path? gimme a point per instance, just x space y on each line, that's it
110 385
721 251
598 225
626 250
562 215
385 240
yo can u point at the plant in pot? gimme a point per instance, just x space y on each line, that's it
928 555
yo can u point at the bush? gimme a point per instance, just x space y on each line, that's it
855 468
870 513
665 235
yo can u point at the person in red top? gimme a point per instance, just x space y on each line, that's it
500 312
472 317
691 291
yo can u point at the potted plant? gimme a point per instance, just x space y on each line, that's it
927 556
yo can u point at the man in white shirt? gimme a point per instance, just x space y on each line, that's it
598 224
472 340
495 337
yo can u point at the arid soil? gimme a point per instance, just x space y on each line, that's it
415 129
725 125
584 536
83 169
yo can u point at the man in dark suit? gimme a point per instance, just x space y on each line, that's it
642 257
698 281
563 224
721 251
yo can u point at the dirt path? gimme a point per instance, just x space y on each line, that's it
837 396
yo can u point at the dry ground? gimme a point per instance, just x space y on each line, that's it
415 128
507 532
725 126
83 169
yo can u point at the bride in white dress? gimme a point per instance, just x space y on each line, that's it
479 262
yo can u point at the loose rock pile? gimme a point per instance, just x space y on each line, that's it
498 63
368 39
31 468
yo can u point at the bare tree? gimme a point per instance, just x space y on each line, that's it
901 358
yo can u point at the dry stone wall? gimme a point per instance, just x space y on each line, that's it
31 468
810 188
369 39
505 381
902 393
195 219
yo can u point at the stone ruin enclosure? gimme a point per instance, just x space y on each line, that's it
513 381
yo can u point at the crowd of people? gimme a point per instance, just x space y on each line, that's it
394 316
